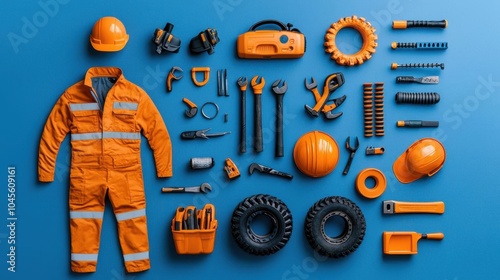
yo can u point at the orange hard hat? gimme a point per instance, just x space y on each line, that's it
316 154
424 157
108 35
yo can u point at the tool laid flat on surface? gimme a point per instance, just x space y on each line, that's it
204 188
172 77
401 207
264 169
193 134
403 24
352 151
417 123
222 82
258 84
242 83
405 243
193 109
332 83
279 92
421 80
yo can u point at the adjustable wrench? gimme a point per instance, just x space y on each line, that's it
257 91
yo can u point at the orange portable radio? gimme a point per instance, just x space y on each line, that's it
285 43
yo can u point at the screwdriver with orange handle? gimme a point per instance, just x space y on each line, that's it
403 24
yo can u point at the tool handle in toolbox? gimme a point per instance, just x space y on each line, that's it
178 218
405 79
258 144
436 236
419 207
279 126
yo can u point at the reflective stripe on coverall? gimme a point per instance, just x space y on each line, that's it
105 115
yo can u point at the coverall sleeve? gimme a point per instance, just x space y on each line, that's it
55 130
154 129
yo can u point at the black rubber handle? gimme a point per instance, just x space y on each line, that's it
268 21
282 174
279 126
190 219
258 145
243 118
405 79
188 135
430 123
348 165
427 23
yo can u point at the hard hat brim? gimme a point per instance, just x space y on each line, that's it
401 171
109 47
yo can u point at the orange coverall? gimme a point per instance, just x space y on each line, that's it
105 115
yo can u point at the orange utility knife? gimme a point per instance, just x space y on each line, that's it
400 207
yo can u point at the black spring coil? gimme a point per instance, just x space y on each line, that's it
417 97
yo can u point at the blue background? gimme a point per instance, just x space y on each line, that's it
56 53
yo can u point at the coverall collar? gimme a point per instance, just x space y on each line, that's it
102 71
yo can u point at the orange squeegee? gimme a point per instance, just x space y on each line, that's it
405 242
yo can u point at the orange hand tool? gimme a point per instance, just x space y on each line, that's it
171 76
193 109
399 207
332 82
405 243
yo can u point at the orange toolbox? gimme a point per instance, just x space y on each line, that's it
194 230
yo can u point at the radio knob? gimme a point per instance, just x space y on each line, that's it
284 39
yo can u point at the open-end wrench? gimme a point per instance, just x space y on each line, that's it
257 91
204 188
313 87
353 152
242 83
264 169
280 92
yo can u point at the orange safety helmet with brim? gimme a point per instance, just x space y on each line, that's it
424 157
316 154
108 35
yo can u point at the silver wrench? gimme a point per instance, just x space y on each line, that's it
204 188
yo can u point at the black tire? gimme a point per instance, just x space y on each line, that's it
351 237
241 224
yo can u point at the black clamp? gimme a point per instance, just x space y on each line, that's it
205 41
165 40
